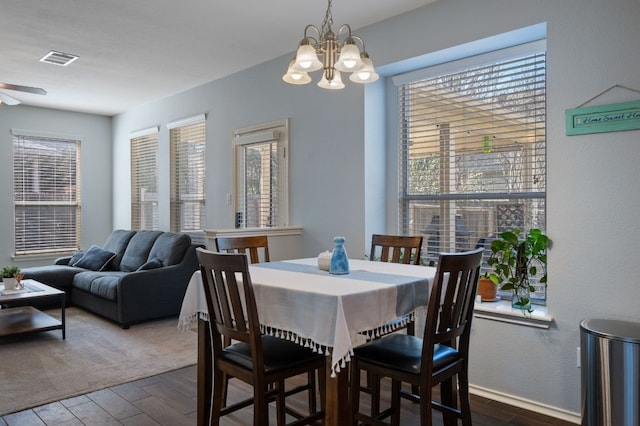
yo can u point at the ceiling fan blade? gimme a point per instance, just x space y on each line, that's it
28 89
6 99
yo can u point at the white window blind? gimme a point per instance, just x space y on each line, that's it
144 180
188 176
261 176
472 153
46 188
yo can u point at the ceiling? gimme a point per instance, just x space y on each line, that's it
136 51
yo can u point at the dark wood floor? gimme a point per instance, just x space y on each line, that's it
170 399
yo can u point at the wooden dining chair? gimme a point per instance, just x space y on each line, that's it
396 248
257 359
253 244
440 357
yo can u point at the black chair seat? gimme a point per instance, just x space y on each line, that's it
279 354
404 353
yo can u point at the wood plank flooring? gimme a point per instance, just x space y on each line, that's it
170 399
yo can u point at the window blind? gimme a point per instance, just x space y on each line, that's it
473 153
46 183
261 176
188 144
144 181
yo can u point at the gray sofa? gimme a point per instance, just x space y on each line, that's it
135 276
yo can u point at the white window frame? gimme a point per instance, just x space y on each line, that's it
35 241
276 132
183 136
136 220
450 233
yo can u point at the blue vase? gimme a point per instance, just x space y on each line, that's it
339 261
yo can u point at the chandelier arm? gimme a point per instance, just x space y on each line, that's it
313 40
355 37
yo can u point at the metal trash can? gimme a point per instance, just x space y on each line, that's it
610 364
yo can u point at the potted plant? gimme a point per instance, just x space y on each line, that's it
9 276
514 260
487 289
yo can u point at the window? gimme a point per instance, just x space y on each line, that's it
46 188
188 140
144 179
261 189
472 149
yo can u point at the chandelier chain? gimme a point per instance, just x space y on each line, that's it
328 21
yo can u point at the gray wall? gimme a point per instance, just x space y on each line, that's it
96 172
592 204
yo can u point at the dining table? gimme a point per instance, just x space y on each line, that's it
330 313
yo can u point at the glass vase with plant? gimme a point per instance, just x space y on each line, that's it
515 260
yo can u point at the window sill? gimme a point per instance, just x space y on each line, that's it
503 312
245 232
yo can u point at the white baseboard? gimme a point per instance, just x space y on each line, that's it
526 404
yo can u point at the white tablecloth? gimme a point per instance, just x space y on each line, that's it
300 302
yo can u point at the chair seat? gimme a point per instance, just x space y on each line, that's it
403 352
279 354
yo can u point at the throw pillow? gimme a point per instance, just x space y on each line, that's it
76 256
152 264
95 259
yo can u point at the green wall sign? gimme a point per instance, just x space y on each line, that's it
603 118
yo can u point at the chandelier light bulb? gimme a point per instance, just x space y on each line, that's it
367 74
349 59
295 77
307 59
334 84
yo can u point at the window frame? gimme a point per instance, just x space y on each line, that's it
73 228
188 128
149 136
256 135
459 66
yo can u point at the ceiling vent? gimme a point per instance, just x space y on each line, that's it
58 58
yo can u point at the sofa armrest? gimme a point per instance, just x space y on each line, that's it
62 260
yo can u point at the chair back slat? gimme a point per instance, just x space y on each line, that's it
253 244
396 248
235 314
451 301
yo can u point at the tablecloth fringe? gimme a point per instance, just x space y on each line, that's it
186 322
307 343
387 328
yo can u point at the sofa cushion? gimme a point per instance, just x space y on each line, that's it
169 248
103 284
95 259
138 249
117 243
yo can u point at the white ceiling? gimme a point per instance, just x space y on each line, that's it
137 51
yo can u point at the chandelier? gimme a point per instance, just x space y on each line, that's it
338 52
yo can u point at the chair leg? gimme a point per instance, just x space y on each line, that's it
449 398
355 391
260 409
465 406
311 379
426 412
219 396
374 386
395 402
280 408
